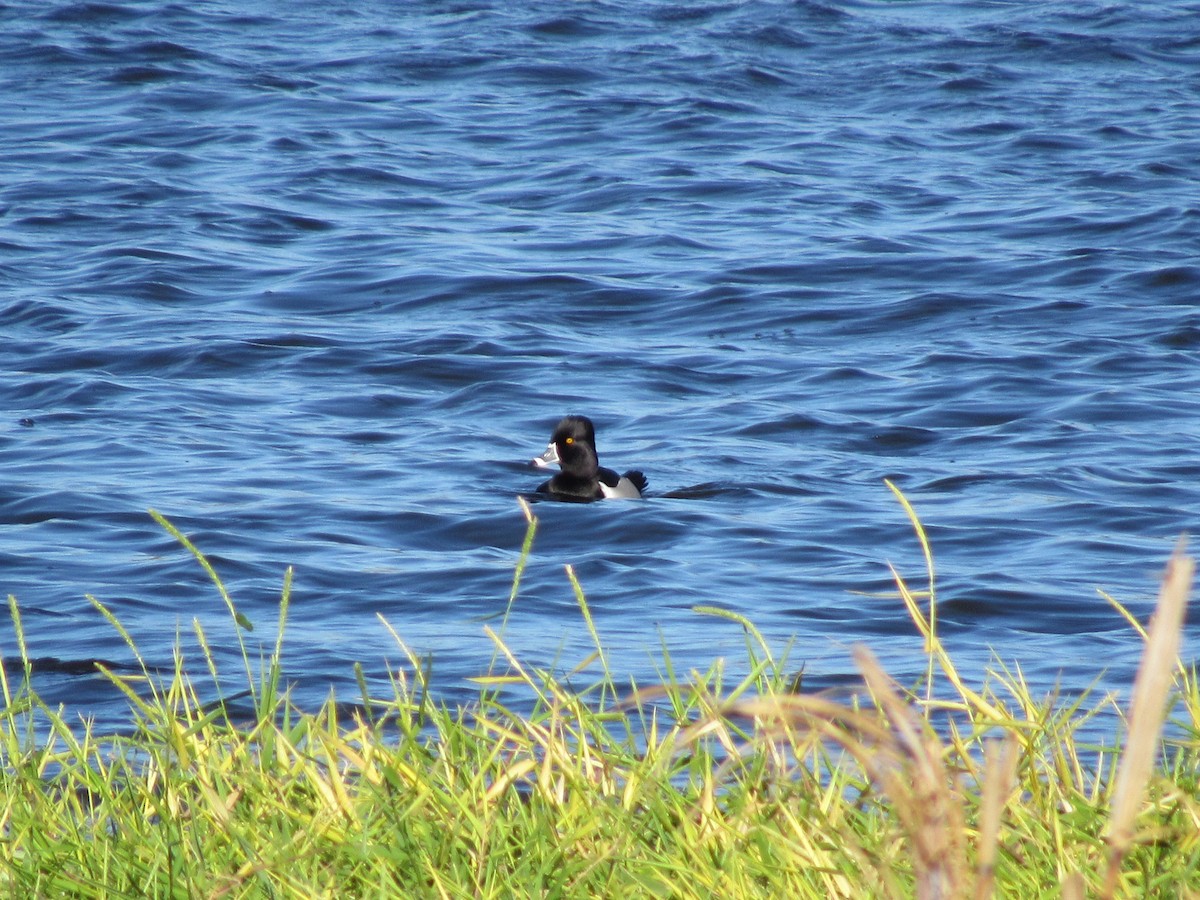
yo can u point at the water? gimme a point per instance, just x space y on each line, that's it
316 281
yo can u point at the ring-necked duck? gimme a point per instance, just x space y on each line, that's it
573 447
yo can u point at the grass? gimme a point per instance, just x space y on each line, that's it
693 787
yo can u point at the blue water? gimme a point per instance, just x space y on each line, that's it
316 281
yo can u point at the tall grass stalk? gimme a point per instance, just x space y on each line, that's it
702 785
1148 709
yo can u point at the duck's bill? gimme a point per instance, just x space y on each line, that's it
547 459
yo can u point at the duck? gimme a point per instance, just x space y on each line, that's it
581 477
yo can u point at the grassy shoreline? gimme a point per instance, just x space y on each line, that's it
689 788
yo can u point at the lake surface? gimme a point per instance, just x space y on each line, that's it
316 280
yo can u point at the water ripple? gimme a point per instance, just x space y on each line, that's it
318 284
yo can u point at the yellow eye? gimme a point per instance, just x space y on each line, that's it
569 440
